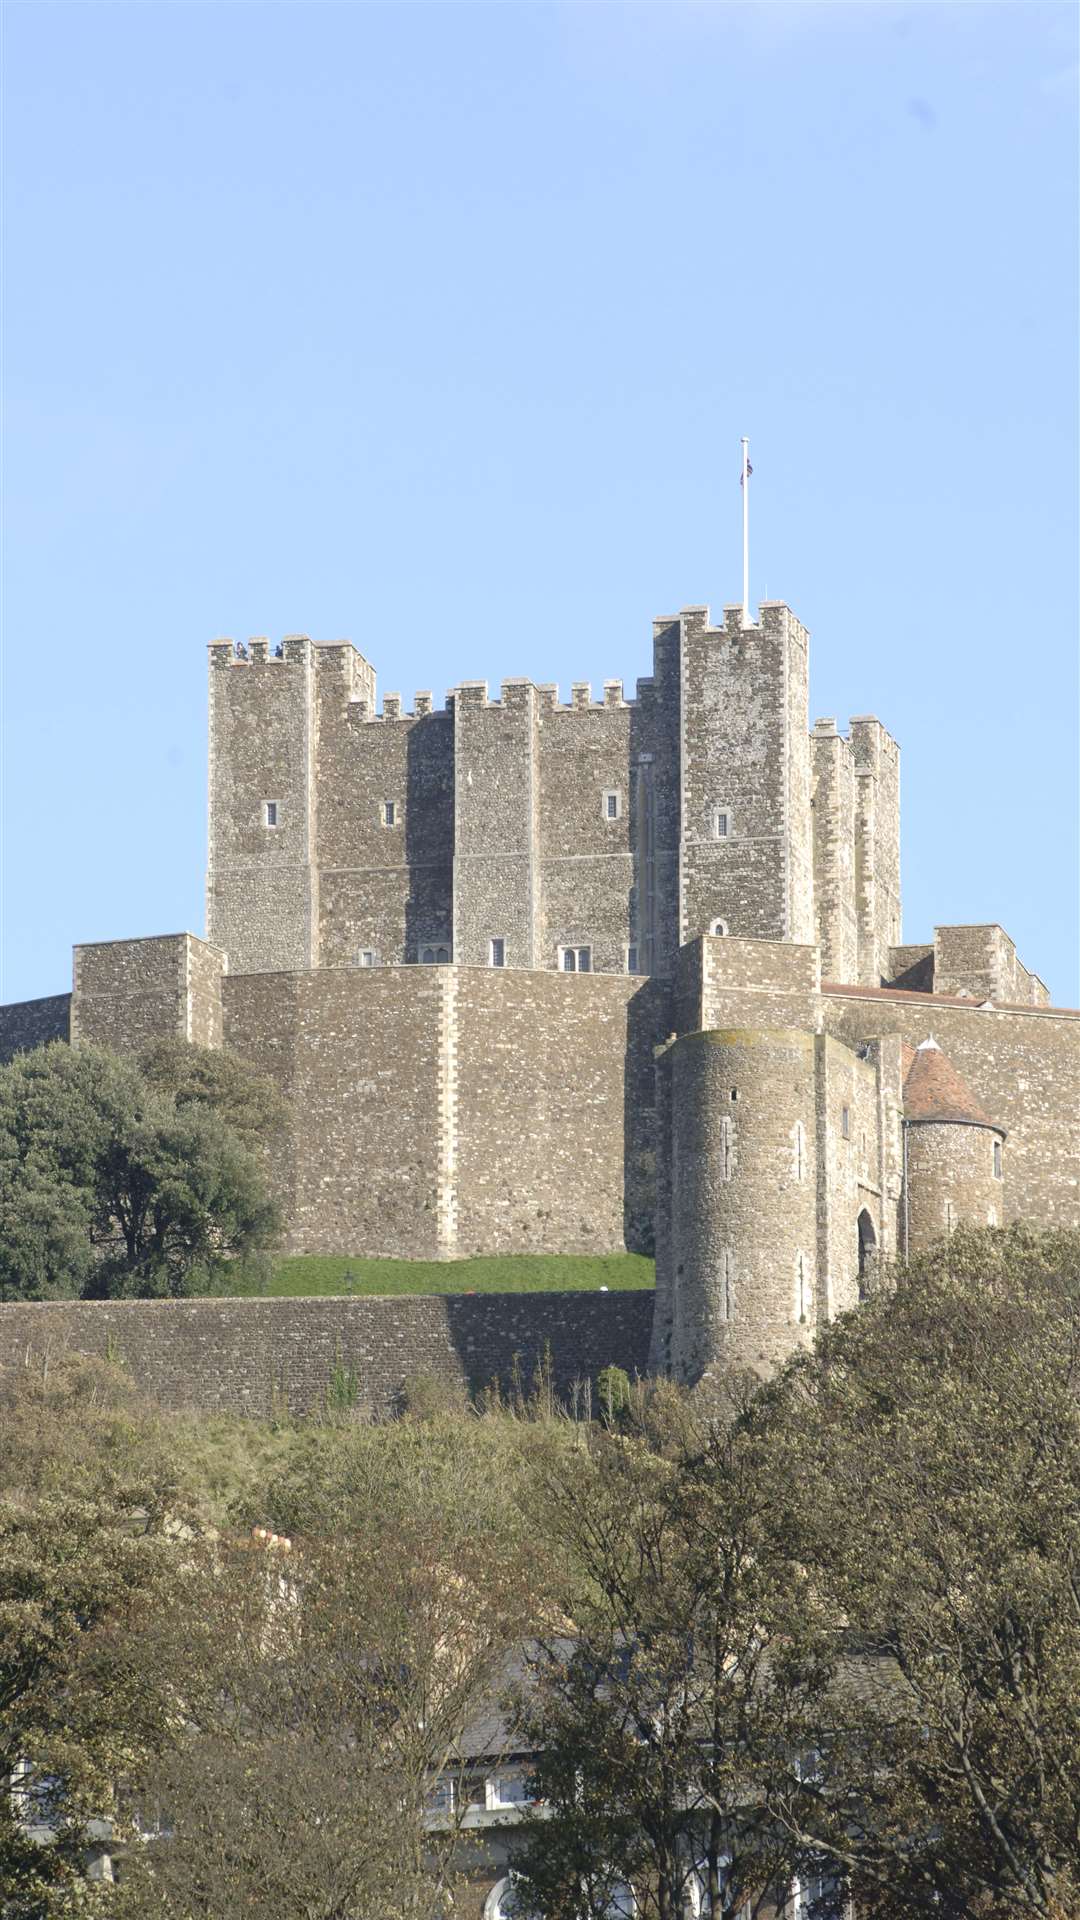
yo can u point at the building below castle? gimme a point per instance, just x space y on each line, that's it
539 977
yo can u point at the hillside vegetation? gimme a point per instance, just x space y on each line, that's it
257 1645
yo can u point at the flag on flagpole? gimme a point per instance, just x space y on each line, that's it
749 471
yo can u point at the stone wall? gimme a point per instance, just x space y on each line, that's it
950 1181
450 1110
356 1054
554 1112
25 1024
739 1280
745 754
834 851
1022 1065
262 900
253 1356
982 963
877 846
501 825
128 992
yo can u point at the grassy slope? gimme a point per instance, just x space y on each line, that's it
511 1273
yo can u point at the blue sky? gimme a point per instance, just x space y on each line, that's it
437 327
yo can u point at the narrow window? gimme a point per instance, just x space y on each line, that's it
802 1290
270 811
722 824
497 952
631 960
719 927
433 953
799 1150
389 813
569 960
867 1250
997 1159
724 1156
584 959
950 1218
845 1122
612 804
734 1093
727 1286
367 957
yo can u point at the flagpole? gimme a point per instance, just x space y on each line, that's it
745 532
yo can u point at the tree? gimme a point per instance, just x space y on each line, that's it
120 1183
931 1452
88 1508
217 1081
660 1715
326 1688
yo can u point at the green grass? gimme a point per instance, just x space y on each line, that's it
310 1273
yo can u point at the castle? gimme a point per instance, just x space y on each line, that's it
539 976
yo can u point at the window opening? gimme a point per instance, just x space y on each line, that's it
631 960
389 813
997 1159
433 953
270 813
724 1156
722 824
507 1790
719 927
612 804
497 952
867 1250
575 959
845 1122
367 957
802 1290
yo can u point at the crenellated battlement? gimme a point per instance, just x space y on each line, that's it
568 827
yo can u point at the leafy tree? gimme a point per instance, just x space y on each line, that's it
120 1183
219 1082
86 1542
659 1716
325 1688
931 1452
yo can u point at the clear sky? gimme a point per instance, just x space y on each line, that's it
437 327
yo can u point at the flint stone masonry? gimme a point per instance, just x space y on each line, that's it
951 1180
454 1110
254 1357
500 828
25 1024
130 991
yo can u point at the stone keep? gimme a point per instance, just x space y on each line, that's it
558 976
624 828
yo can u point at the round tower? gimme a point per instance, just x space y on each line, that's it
953 1152
743 1237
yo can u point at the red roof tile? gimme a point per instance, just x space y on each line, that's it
933 1090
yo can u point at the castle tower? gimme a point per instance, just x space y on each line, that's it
262 883
738 1235
954 1153
746 864
856 836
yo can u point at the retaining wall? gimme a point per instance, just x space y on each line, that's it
252 1356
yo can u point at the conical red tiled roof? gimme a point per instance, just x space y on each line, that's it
933 1090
